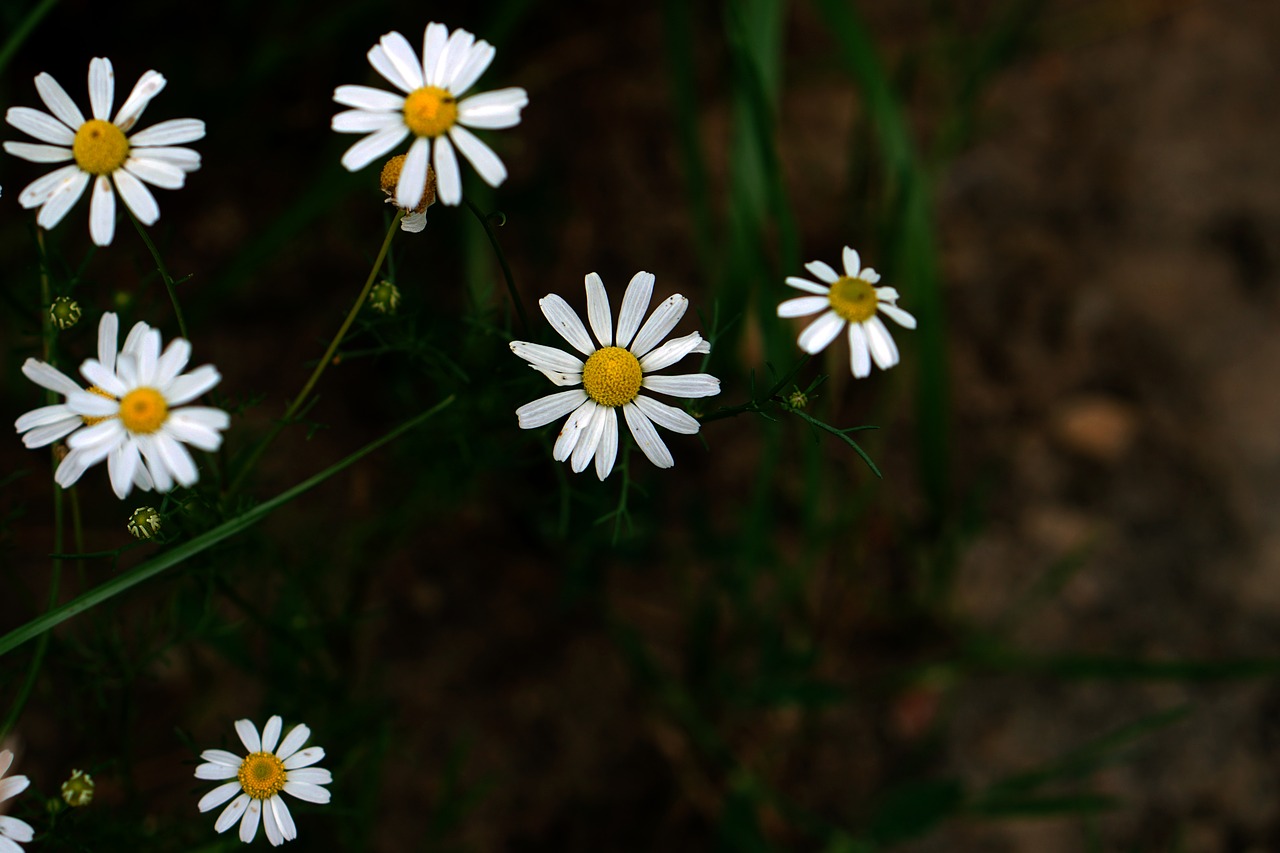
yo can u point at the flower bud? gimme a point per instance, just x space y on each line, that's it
144 523
384 298
78 790
64 312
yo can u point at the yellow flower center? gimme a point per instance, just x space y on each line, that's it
100 147
612 376
853 299
430 111
391 177
89 420
262 775
143 410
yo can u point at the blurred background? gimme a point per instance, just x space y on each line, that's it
1049 627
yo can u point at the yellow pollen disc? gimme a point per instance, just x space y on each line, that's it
853 299
100 147
262 775
143 410
390 177
612 376
89 420
430 111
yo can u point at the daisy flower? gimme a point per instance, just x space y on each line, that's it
851 299
12 830
613 374
415 218
135 412
100 149
430 110
259 777
47 424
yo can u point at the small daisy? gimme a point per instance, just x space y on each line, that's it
259 777
132 415
850 299
415 218
12 830
430 110
100 148
48 424
613 374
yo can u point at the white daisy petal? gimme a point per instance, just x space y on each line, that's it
13 830
58 101
634 303
178 131
186 159
823 271
38 153
852 263
413 174
102 87
249 823
43 436
883 349
659 324
434 40
647 438
448 181
271 733
870 276
414 223
187 387
546 357
303 758
177 460
310 793
571 432
373 146
221 756
283 818
98 375
155 171
566 323
231 813
494 110
66 194
598 312
269 825
311 775
589 440
214 772
218 795
41 125
50 377
363 121
487 164
886 294
455 54
136 196
807 286
607 452
42 189
401 54
382 63
368 98
803 306
102 212
688 385
667 417
902 318
248 733
147 87
44 416
546 409
672 351
859 354
161 479
122 465
469 72
70 470
821 332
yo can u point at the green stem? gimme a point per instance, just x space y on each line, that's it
756 404
163 270
502 262
296 405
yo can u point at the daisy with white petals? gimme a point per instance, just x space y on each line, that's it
100 149
613 374
430 111
851 299
136 412
258 779
12 830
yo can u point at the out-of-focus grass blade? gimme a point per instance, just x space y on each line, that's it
1115 668
22 30
913 254
915 809
1068 804
169 559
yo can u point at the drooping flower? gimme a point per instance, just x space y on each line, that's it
101 149
430 110
137 412
851 299
415 218
258 779
613 375
12 830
